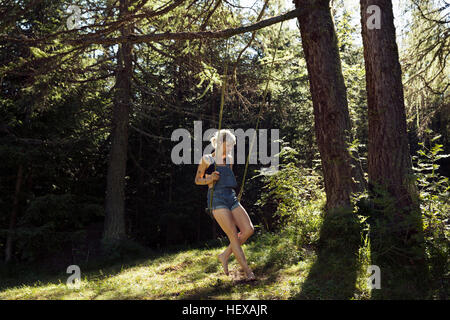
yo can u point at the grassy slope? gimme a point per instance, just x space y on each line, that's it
190 274
285 262
280 266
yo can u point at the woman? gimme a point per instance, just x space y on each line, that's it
226 209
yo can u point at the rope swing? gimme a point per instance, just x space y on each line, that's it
260 114
222 101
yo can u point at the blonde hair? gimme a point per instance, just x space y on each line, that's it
222 136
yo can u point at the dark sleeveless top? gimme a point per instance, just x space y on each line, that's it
227 178
211 166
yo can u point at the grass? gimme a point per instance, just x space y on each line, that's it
189 274
280 260
314 256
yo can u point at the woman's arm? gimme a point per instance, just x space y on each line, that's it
199 179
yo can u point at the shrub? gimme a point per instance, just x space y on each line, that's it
52 221
298 196
291 187
434 195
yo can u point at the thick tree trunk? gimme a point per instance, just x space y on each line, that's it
389 161
115 190
396 235
13 218
342 173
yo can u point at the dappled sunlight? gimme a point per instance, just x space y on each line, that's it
282 262
192 274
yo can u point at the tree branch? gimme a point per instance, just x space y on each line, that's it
133 38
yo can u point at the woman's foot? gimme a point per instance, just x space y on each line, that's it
251 276
224 261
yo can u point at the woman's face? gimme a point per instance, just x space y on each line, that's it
225 148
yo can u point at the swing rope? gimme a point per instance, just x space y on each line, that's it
260 114
222 100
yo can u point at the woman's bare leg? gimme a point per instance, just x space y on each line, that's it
243 222
224 218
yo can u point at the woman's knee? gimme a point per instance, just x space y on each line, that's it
233 236
225 220
249 231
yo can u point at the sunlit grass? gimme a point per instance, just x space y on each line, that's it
192 274
189 274
279 261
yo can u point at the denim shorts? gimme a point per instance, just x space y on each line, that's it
223 198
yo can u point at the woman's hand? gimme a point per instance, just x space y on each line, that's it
215 176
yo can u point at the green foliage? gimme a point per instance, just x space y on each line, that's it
434 191
52 222
337 238
210 75
274 250
65 211
298 200
121 250
303 225
291 187
395 232
38 53
426 70
341 258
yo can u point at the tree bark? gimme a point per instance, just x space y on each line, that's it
389 160
342 173
13 218
114 228
396 231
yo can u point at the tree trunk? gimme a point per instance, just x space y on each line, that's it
115 190
396 235
342 173
389 160
13 218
